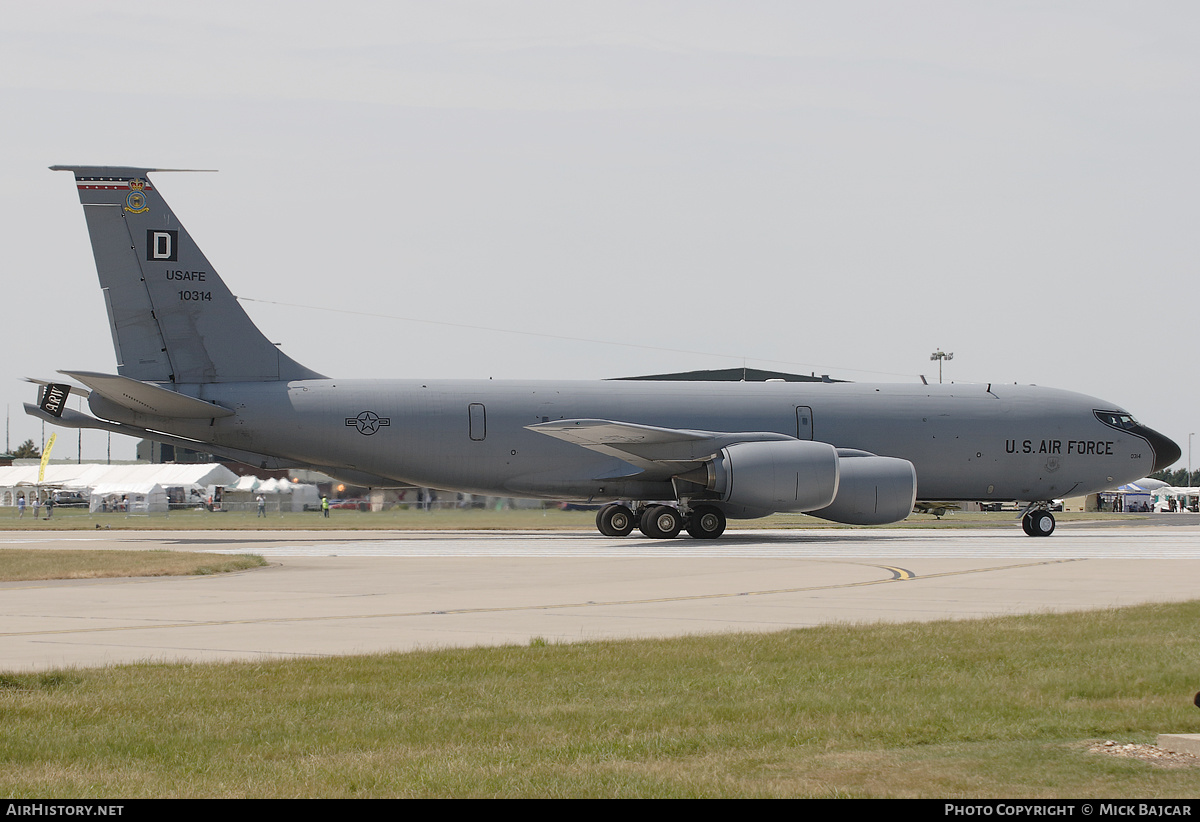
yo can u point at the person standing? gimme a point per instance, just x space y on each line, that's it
325 506
262 507
21 507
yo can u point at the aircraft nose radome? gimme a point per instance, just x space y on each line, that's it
1166 452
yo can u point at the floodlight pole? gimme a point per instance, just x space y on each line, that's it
941 356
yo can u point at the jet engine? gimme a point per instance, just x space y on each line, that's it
796 475
753 479
873 490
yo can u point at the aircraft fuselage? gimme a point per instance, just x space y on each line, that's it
966 441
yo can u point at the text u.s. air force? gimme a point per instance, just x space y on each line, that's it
1098 447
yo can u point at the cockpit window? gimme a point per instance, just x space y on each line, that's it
1117 419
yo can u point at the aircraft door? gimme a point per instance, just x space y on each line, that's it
478 421
804 427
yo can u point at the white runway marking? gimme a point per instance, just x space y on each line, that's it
1095 543
42 538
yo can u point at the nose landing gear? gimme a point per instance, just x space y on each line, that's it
1038 523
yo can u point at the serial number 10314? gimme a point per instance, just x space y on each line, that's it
195 295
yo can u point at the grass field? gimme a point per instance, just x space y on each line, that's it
27 564
992 708
1001 707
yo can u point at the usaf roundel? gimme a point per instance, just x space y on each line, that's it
368 422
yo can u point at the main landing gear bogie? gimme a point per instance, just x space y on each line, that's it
706 522
661 521
615 521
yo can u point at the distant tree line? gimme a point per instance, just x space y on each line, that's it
27 450
1178 478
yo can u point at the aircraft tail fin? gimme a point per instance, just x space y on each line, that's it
173 319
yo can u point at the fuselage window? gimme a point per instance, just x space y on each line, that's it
1115 419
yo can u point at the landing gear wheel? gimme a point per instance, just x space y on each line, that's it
706 522
1038 523
661 522
614 521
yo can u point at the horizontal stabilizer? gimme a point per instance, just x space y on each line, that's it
73 419
74 389
76 419
147 398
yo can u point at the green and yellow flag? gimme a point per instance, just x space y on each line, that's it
45 459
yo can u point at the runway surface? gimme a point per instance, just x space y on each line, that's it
334 593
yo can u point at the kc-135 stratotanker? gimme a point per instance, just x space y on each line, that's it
194 371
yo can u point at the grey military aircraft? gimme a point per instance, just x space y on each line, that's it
194 371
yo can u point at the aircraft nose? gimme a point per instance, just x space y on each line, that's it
1166 452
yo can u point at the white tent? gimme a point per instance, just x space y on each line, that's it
178 480
246 483
1144 484
1182 496
303 494
279 495
182 483
147 498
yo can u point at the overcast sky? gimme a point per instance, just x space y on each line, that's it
596 189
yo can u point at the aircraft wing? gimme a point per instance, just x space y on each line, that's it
649 448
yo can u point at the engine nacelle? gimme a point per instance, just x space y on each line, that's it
793 475
873 491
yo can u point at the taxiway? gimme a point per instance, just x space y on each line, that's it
351 592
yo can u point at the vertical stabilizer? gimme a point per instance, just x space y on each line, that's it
172 318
